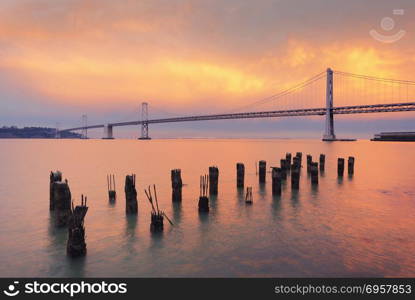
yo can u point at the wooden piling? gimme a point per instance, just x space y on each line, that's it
248 196
112 194
295 175
340 167
240 175
131 205
350 165
314 173
276 181
157 215
309 161
203 197
62 197
176 184
288 158
322 162
300 157
54 177
213 180
76 245
262 171
283 169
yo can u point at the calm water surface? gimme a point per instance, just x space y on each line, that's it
360 226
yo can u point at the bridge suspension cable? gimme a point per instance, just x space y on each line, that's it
283 93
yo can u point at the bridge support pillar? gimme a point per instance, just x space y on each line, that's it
108 134
144 122
329 128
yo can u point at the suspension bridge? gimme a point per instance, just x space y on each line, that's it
380 95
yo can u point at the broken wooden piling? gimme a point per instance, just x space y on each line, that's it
62 202
131 205
322 162
276 181
300 157
240 175
284 168
76 245
309 161
350 165
248 196
314 173
262 171
340 167
157 215
213 180
112 194
176 184
54 177
203 197
295 173
288 158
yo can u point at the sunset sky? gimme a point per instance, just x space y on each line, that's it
60 59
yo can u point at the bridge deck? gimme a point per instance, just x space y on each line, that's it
357 109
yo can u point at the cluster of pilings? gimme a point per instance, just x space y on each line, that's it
203 204
112 194
157 215
61 204
73 217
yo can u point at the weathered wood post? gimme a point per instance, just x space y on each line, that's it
112 194
300 157
76 245
309 161
340 167
283 168
213 180
350 165
62 197
131 206
176 184
203 198
288 159
314 173
295 174
240 175
262 171
54 177
276 181
248 196
322 162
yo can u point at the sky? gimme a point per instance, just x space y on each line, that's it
60 59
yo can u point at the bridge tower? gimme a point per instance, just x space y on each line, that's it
144 122
329 130
84 133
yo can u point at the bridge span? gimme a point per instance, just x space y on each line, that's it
328 111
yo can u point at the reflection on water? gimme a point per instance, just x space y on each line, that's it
177 212
130 226
362 225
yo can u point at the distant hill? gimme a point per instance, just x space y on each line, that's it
14 132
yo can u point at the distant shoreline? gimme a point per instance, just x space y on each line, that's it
14 132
